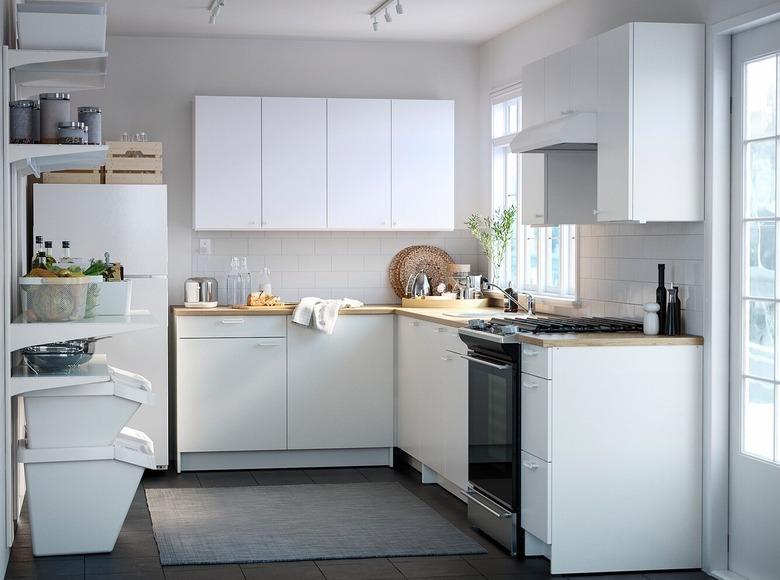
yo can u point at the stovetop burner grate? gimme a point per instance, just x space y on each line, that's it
567 325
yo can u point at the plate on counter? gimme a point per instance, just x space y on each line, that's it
200 304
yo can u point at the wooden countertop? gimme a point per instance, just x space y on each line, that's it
441 316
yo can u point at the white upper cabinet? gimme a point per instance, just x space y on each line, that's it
359 158
651 123
559 187
584 76
557 85
423 164
533 201
227 175
533 93
294 163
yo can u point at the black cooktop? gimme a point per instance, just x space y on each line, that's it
564 325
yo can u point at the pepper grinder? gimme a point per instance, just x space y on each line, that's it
672 313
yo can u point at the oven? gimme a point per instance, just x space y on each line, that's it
494 438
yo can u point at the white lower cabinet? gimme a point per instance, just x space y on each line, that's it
340 386
232 394
535 495
433 398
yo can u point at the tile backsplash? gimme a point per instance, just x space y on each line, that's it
618 264
325 264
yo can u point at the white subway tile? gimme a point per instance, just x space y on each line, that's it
298 279
315 263
230 246
265 246
282 263
363 246
298 247
377 263
331 279
366 279
380 296
331 246
347 263
343 292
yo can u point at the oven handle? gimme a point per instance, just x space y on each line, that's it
486 363
470 495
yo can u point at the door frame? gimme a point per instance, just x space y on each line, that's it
717 287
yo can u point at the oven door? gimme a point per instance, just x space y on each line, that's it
493 428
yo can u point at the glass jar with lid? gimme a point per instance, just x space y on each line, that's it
55 109
20 121
71 133
92 117
37 122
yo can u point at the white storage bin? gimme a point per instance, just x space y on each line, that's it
61 26
85 415
79 497
109 298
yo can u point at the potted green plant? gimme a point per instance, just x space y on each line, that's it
494 233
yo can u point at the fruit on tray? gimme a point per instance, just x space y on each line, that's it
263 299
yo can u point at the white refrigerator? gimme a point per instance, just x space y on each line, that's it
131 223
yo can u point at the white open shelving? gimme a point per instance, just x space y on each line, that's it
36 71
24 379
35 159
23 333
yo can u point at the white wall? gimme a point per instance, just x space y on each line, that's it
618 262
151 82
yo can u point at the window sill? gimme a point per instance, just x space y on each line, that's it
558 301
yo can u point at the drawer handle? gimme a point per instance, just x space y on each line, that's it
264 344
232 321
530 385
533 466
531 352
414 324
470 496
446 358
439 330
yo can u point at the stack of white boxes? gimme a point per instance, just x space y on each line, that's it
82 465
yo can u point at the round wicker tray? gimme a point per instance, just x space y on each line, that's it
409 261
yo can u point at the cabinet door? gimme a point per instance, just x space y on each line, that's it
614 194
294 163
570 184
340 386
455 418
534 188
584 75
231 394
533 93
557 85
359 158
410 413
424 165
535 496
226 151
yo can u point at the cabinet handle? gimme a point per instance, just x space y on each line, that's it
470 495
414 324
539 215
530 385
530 352
533 466
232 321
440 330
265 344
446 358
597 211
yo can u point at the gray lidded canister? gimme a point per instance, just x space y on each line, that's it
37 122
55 109
92 117
20 121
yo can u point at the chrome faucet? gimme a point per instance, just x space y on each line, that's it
531 300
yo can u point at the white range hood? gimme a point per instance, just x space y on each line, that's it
574 132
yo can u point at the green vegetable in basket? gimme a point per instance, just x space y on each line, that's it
96 268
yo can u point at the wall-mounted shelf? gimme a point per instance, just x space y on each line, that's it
37 71
25 380
35 159
23 333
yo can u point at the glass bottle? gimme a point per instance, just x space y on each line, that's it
40 260
37 249
265 282
246 280
66 261
660 297
50 261
233 283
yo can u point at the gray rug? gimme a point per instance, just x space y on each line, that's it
231 525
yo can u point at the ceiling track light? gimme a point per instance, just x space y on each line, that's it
215 9
384 10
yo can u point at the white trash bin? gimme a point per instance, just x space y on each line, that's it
79 497
84 415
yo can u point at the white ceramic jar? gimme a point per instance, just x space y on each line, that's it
651 324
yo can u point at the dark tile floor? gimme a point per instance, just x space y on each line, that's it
136 557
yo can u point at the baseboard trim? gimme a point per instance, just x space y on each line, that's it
223 460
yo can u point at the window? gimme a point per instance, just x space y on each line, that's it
541 260
760 431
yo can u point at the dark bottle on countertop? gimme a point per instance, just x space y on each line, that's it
660 297
509 305
677 307
673 313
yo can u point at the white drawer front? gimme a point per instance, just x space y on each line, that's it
535 404
231 326
535 512
536 361
449 339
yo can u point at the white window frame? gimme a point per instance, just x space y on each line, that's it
566 292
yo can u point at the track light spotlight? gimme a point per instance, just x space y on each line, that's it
215 9
375 25
388 17
399 8
384 7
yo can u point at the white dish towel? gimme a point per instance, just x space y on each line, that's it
321 314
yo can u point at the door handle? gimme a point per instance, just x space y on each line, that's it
446 358
531 465
530 385
232 321
470 496
530 352
265 344
486 363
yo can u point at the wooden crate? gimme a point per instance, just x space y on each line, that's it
89 176
133 162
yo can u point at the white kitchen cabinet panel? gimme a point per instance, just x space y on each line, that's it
535 495
230 326
584 76
227 163
232 394
533 94
651 123
359 163
533 200
455 419
294 167
536 360
557 85
536 408
340 386
411 369
423 164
